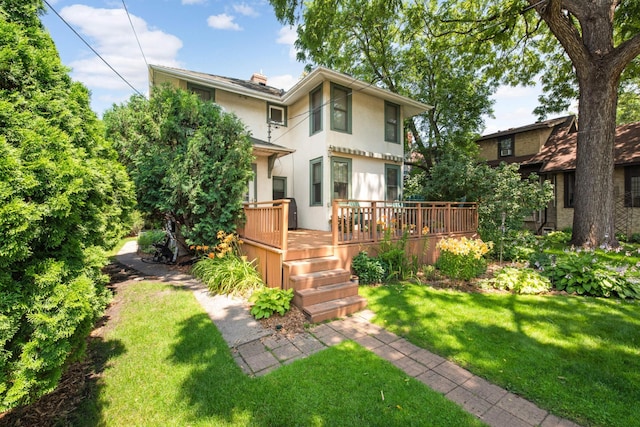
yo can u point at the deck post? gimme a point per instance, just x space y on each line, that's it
447 219
374 221
334 222
285 225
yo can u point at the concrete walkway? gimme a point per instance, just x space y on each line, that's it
259 351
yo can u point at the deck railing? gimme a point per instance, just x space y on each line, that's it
360 221
371 221
267 223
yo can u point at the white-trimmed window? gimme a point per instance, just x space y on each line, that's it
277 114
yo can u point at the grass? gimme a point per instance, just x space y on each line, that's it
577 357
166 364
113 252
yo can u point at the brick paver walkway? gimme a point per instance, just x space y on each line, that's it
492 404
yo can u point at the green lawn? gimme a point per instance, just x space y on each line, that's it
577 357
167 365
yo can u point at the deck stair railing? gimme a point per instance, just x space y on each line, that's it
267 223
372 221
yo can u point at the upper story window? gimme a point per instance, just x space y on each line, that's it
391 122
315 110
505 146
205 93
277 114
340 108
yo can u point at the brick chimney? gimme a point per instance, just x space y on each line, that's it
259 78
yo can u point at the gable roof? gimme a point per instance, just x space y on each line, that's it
559 153
534 126
300 89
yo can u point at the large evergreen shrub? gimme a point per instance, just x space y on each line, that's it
63 198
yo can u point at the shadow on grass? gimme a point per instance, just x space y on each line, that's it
343 385
577 357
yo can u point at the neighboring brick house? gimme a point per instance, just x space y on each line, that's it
330 136
549 149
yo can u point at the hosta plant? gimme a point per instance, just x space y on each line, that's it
268 301
518 280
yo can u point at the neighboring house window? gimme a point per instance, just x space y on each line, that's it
277 114
340 108
279 187
392 179
569 189
505 146
391 122
315 110
632 186
315 174
252 185
205 93
340 177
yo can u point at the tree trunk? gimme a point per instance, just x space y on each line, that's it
593 217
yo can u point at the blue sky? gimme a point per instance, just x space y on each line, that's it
229 38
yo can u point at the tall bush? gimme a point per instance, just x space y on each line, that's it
63 199
187 158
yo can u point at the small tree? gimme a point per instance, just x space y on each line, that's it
504 197
187 158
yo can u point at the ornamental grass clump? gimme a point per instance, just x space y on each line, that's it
224 270
462 258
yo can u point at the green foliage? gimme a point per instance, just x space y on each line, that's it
393 256
268 301
518 245
557 238
499 192
146 239
228 274
585 274
518 280
64 199
369 270
462 258
187 157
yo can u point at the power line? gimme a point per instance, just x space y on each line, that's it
135 34
92 49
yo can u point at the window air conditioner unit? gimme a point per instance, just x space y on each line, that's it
505 152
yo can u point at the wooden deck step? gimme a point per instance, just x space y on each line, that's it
298 254
319 278
334 309
312 265
311 296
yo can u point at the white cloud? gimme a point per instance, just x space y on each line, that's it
245 9
109 33
194 1
223 22
285 81
288 36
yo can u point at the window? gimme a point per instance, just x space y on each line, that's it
569 189
315 110
279 187
505 146
205 93
632 186
391 122
340 108
340 177
277 114
315 174
392 180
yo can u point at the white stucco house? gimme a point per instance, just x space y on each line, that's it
330 136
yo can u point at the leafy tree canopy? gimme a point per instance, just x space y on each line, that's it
63 199
188 159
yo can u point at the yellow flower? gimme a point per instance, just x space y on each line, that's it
221 234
